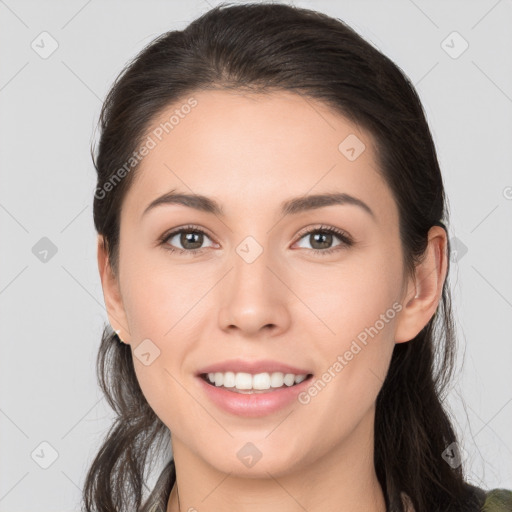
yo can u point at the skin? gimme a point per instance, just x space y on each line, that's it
290 304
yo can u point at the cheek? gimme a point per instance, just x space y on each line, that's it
356 308
354 366
162 303
346 296
158 294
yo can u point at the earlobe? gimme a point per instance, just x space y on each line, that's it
111 293
424 292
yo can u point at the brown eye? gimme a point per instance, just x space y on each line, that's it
189 238
322 238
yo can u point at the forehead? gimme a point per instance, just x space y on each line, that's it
249 151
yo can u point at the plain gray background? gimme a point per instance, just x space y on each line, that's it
52 312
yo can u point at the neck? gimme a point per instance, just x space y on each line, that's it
341 480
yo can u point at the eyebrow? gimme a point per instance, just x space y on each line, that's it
289 207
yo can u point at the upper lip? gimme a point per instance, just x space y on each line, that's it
253 367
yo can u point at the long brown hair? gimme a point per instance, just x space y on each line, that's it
272 47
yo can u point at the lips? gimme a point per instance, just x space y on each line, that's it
253 367
254 404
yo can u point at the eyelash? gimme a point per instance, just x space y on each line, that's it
342 235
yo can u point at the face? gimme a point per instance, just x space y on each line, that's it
254 282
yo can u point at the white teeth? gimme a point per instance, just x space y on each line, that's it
259 381
229 380
289 379
299 378
276 380
219 379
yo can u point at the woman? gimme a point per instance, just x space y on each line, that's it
295 356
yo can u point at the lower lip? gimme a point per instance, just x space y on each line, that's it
253 404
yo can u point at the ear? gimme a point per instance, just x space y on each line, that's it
425 290
111 293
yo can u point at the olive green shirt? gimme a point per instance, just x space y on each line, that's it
498 500
494 500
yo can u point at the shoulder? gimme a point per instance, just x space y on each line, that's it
498 500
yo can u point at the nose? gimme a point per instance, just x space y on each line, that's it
254 297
